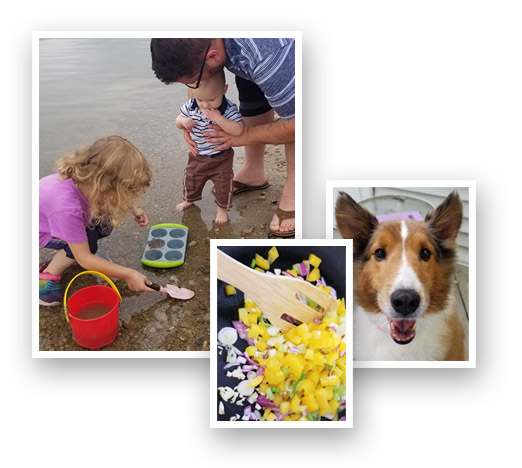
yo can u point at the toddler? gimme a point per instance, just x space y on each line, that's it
92 191
209 106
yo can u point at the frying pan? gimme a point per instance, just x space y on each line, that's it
333 270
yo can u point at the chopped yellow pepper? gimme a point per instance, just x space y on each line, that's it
314 275
314 261
230 290
273 254
262 262
255 381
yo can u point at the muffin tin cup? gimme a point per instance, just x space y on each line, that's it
165 246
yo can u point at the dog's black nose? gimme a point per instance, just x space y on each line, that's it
405 301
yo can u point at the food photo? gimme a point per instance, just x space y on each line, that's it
281 333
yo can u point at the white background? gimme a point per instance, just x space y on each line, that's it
398 90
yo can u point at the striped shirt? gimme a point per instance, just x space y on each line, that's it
191 109
270 64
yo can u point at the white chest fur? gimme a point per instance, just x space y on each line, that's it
372 341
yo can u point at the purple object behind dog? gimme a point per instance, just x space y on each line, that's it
414 215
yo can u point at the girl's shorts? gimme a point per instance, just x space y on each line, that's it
94 233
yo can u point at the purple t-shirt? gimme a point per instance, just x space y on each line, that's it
64 211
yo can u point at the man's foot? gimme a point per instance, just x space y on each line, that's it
283 223
183 206
250 178
50 289
239 187
221 216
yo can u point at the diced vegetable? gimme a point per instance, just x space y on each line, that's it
230 290
262 262
257 380
314 275
273 254
314 260
244 388
227 336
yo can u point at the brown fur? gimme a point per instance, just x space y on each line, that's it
374 278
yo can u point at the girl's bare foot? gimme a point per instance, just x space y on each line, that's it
183 206
221 216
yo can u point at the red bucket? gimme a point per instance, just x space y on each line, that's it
93 313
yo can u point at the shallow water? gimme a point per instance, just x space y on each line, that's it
90 88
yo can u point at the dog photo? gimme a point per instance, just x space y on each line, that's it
412 253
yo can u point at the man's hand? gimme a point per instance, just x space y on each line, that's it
193 148
276 133
218 135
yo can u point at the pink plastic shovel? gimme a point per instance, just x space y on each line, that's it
173 291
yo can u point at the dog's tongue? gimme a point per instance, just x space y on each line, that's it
402 331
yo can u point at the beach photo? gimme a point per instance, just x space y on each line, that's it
152 161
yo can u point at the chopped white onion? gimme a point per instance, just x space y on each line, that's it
245 389
227 336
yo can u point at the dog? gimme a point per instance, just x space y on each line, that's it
403 274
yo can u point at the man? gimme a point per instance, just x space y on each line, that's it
265 76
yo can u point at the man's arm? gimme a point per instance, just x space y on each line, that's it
228 126
277 132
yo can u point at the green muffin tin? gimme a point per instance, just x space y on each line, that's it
165 246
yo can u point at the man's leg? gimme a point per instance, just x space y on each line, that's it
287 202
253 170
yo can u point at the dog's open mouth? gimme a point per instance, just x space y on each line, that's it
402 331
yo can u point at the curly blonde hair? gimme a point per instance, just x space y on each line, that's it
115 172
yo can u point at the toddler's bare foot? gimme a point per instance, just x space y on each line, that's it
183 206
221 216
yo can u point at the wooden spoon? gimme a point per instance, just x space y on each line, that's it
275 295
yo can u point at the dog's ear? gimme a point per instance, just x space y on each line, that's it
354 222
446 219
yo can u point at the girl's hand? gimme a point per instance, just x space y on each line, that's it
138 282
140 216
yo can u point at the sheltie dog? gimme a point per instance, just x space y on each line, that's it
403 275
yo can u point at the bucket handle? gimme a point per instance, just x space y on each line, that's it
101 275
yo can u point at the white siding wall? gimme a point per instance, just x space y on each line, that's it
433 195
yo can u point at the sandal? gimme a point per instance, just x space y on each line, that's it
282 215
240 187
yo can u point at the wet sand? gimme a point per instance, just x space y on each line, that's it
154 321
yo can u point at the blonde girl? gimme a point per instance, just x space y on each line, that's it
91 192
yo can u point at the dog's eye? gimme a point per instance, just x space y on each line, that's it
425 254
379 254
